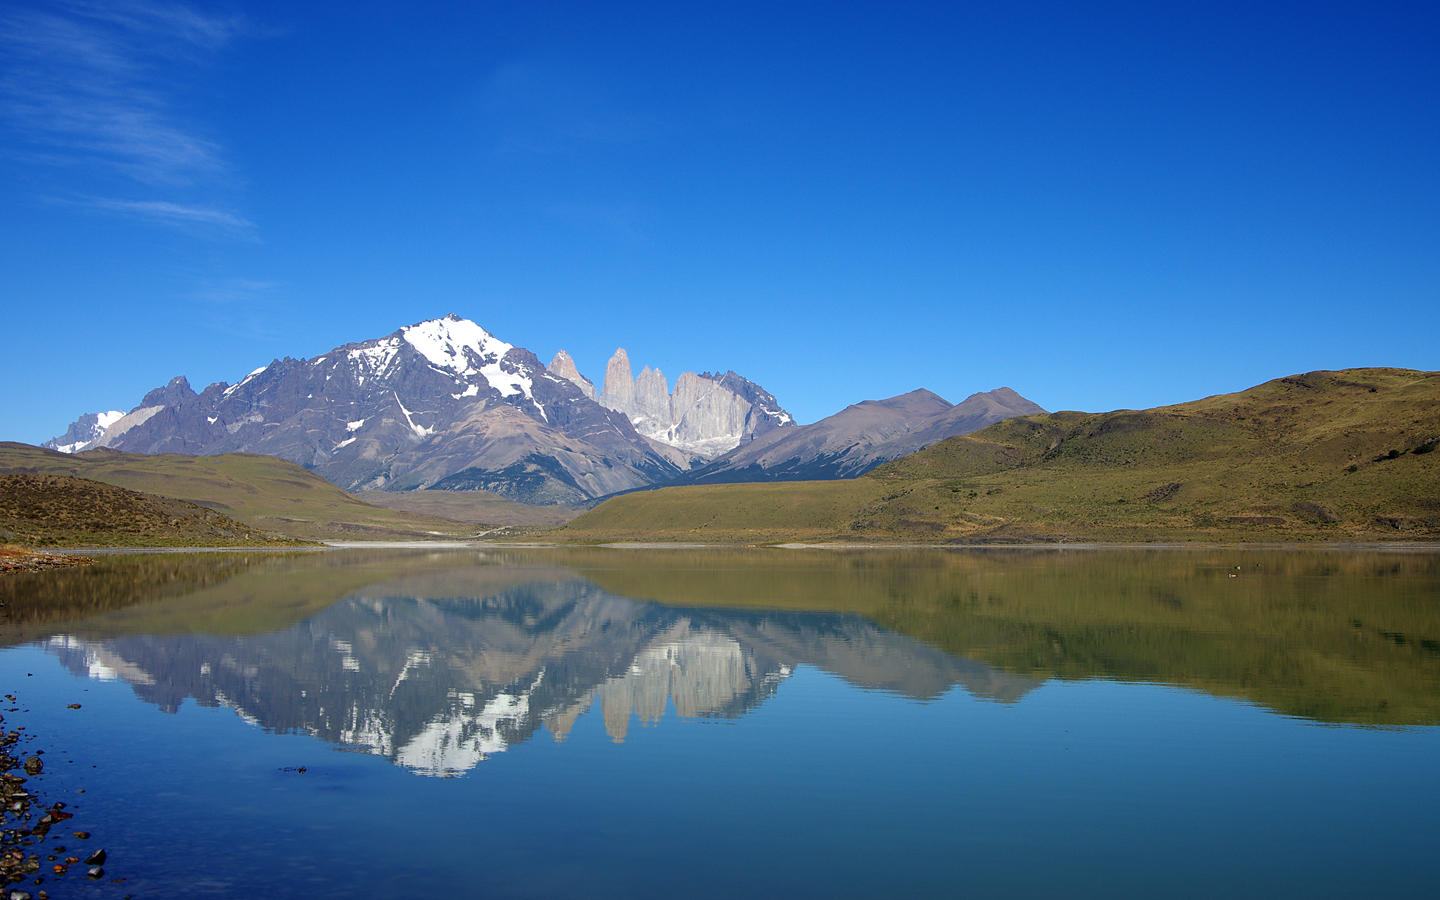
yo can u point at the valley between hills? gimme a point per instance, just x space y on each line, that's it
1333 457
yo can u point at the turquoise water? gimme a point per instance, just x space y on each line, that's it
517 727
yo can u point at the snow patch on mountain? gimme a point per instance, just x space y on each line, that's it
242 382
125 423
420 432
374 361
86 430
444 344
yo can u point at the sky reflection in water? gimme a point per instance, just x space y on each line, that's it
607 745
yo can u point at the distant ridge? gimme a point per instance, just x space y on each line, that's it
860 437
1345 456
439 403
444 405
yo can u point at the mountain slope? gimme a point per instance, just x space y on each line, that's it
433 401
1335 456
859 438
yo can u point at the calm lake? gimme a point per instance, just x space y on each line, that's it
715 723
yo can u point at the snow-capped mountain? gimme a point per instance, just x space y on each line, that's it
444 404
441 671
441 403
85 432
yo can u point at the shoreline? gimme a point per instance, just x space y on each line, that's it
24 559
27 818
66 557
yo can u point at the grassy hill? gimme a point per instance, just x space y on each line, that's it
1326 456
264 492
477 507
64 511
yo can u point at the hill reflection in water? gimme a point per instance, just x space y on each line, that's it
436 676
438 659
1007 722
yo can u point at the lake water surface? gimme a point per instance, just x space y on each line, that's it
712 723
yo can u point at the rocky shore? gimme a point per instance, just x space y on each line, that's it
36 846
20 559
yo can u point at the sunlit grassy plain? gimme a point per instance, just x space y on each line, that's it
1328 456
262 491
1341 457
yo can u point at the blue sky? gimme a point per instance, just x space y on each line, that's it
1101 206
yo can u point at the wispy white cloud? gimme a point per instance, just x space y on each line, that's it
92 84
175 213
174 24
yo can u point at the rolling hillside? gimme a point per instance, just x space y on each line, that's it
1327 456
264 492
64 511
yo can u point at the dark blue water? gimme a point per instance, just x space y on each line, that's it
557 739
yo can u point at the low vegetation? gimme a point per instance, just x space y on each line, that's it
266 494
244 592
14 559
64 511
1328 456
483 508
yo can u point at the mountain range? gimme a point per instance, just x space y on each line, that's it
502 661
859 438
1342 456
445 405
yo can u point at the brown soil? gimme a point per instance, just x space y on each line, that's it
18 559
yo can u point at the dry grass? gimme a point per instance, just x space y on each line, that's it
264 492
1328 456
476 507
64 511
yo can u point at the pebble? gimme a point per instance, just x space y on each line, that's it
17 806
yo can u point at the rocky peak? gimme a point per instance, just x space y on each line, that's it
618 391
564 366
84 432
652 400
707 414
459 346
176 391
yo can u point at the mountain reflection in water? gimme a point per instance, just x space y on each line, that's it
437 675
437 659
